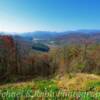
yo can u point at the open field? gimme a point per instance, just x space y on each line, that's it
67 87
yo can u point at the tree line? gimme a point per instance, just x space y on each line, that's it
72 58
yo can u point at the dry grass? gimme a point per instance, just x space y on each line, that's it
18 85
77 82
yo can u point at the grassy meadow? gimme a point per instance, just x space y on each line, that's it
67 87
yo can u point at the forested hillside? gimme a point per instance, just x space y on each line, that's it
25 58
30 66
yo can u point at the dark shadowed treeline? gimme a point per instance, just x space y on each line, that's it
73 58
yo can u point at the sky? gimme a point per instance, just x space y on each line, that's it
49 15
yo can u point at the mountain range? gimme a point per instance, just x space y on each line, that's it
47 36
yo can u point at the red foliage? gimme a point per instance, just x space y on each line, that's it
8 41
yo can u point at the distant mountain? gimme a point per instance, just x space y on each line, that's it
40 35
57 37
48 34
78 38
43 40
88 31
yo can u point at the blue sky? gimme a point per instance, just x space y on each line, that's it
49 15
